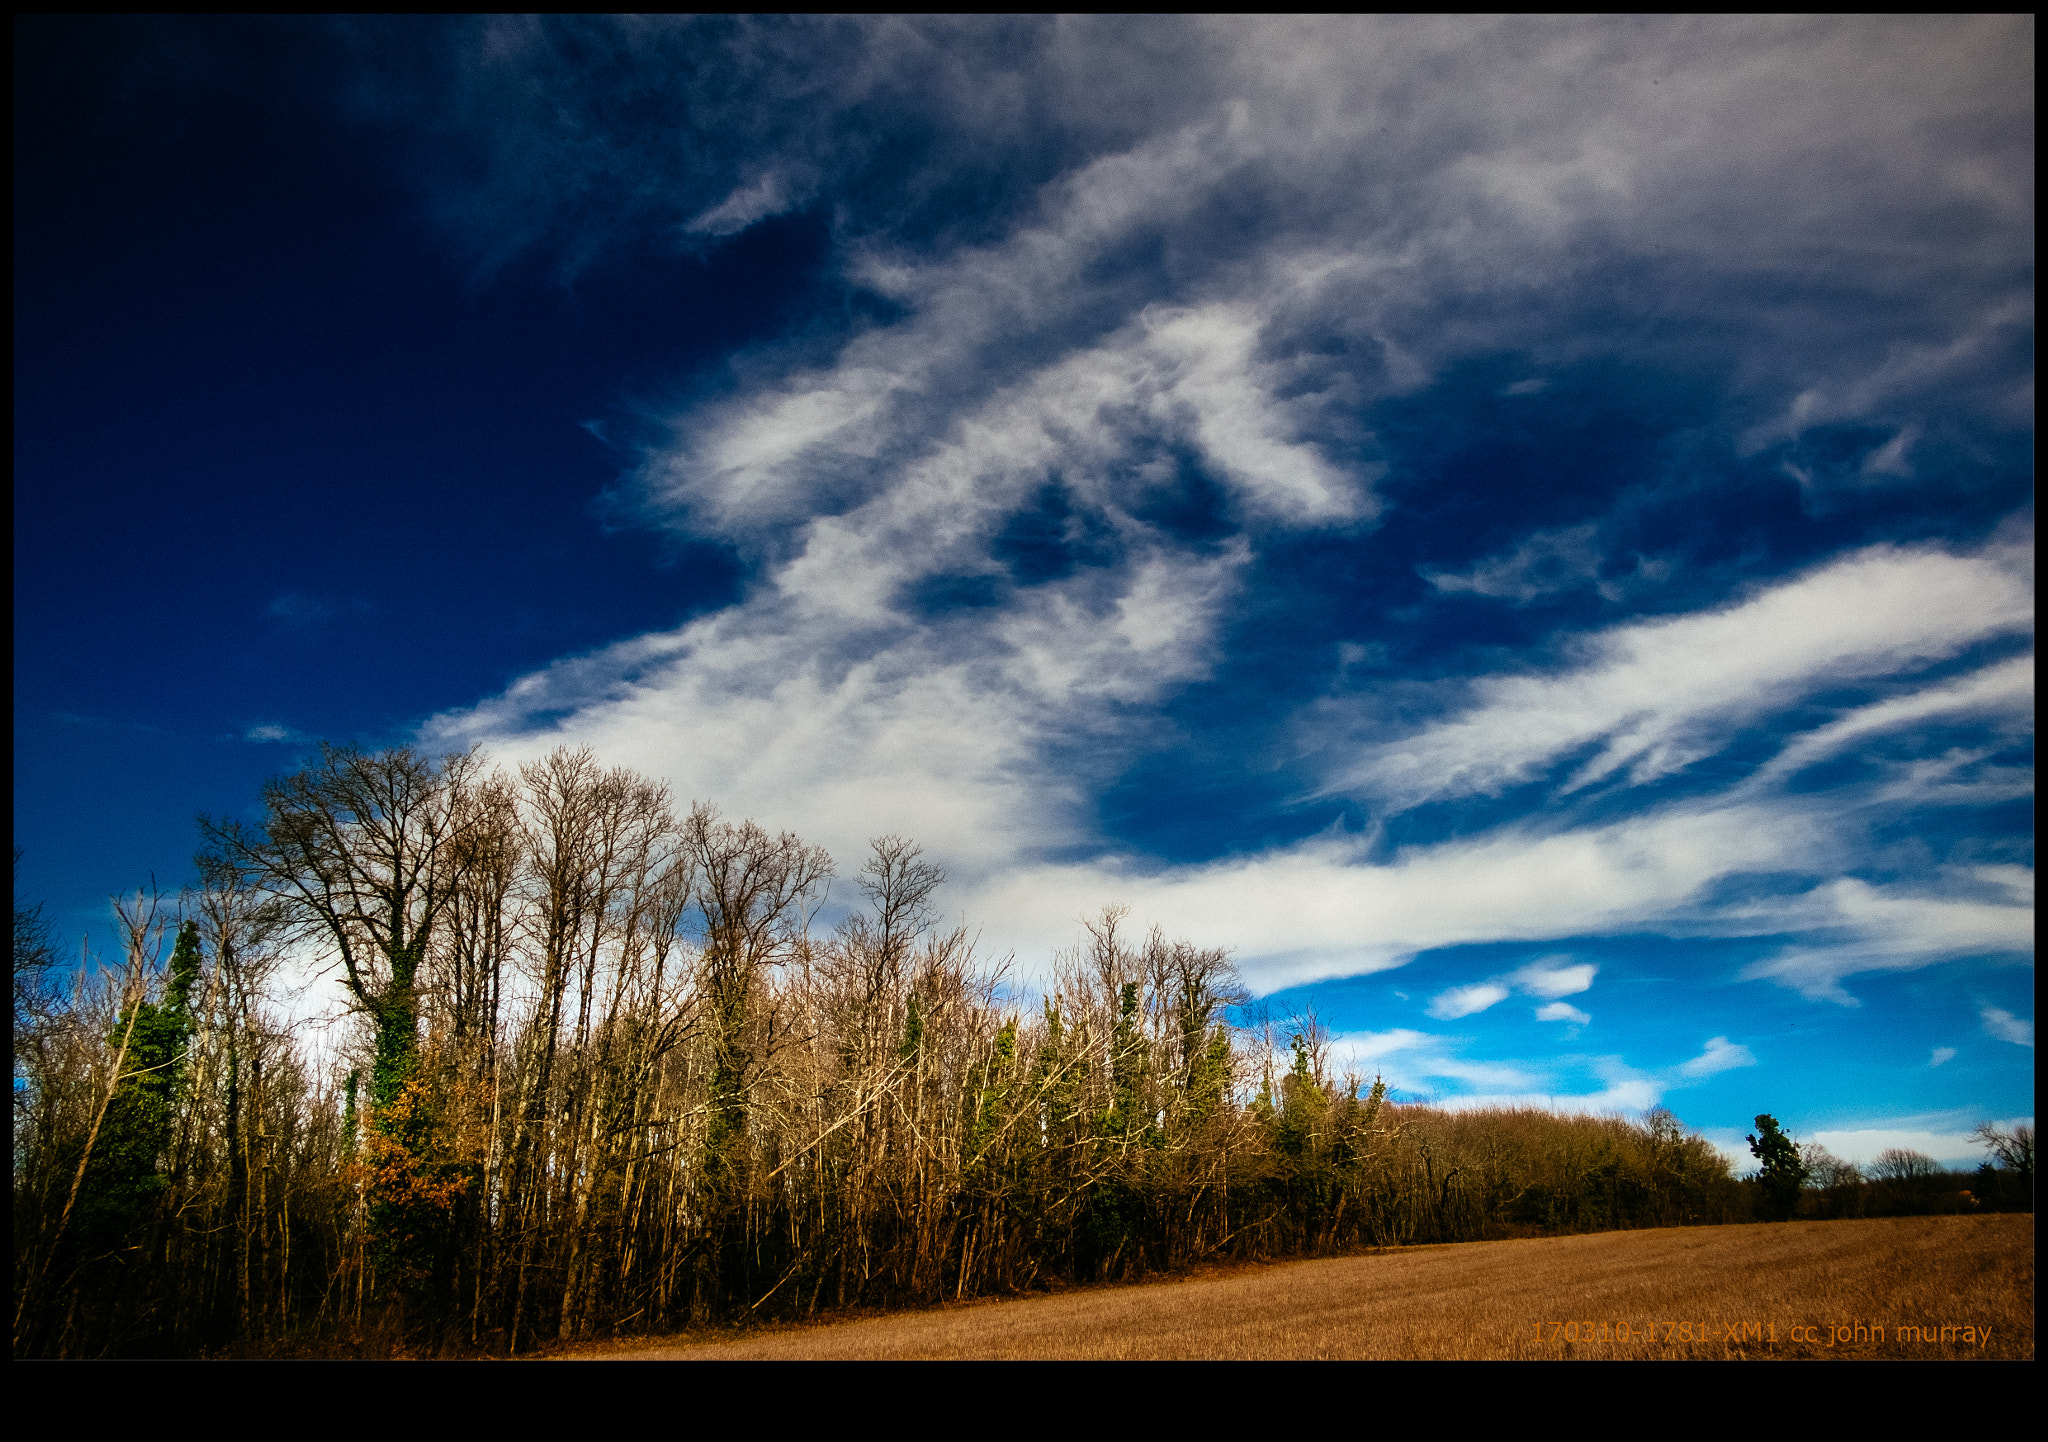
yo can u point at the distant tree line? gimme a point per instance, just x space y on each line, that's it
1902 1183
600 1075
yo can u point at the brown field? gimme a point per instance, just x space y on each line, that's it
1700 1292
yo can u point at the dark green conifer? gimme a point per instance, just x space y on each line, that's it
1127 1065
1782 1173
992 1100
1208 1075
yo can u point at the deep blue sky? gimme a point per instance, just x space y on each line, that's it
1520 529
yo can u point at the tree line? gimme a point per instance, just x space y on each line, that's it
1899 1182
601 1073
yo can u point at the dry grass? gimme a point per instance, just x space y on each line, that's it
1702 1292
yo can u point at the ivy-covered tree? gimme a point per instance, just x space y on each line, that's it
362 853
1128 1058
125 1175
1303 1104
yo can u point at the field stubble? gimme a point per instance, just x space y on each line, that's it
1965 1284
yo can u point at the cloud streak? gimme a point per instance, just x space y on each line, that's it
1653 698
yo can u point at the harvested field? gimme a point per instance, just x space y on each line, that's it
1905 1287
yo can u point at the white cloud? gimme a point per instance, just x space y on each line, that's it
1941 1054
1327 908
1466 1000
828 702
1908 371
2005 1026
1720 1055
1461 181
1626 1098
1541 978
947 747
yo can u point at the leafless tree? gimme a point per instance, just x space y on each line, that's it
362 851
2013 1150
754 897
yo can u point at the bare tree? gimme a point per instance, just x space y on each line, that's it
754 895
361 851
2013 1150
1825 1170
1897 1164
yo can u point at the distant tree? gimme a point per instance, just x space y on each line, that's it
1897 1164
1908 1180
2012 1150
1825 1170
1781 1173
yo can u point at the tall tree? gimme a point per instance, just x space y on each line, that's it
754 894
1781 1172
362 851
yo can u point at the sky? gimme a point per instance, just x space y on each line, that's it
1520 529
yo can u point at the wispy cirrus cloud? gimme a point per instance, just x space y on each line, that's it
995 538
1859 927
1651 698
1545 563
296 609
